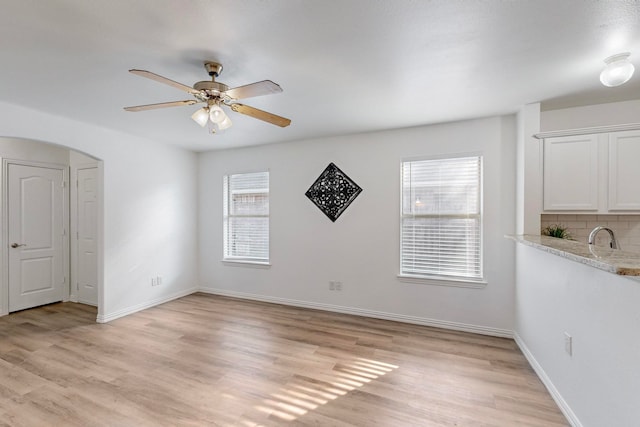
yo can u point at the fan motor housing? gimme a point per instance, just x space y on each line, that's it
211 88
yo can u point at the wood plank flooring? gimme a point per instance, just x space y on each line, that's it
206 360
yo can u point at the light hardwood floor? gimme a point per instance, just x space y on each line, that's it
206 360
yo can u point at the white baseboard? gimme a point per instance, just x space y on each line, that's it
104 318
555 394
444 324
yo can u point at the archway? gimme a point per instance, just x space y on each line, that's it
82 241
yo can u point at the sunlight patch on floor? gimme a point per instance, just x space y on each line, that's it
295 400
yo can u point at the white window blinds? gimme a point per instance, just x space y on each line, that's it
246 217
442 218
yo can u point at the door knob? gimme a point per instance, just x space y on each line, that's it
17 245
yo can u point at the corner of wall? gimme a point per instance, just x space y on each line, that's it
529 171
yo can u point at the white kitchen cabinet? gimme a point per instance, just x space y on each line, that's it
624 171
570 173
592 173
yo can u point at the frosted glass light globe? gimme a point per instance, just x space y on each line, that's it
618 70
216 114
225 124
201 116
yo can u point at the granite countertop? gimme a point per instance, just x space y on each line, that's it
611 260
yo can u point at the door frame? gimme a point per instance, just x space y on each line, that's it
4 190
73 218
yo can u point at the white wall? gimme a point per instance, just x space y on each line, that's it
79 159
613 113
32 151
361 249
529 171
600 383
150 207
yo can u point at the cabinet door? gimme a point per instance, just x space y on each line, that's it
624 170
571 173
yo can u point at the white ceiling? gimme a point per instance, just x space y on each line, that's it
346 66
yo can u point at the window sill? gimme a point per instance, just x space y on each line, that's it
440 281
242 263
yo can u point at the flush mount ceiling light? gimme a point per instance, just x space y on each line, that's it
618 70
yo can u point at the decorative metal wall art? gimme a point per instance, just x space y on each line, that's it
333 192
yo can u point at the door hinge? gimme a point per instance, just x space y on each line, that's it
64 279
77 286
63 184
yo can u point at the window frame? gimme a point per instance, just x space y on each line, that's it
437 279
226 215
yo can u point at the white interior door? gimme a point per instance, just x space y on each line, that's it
36 227
87 236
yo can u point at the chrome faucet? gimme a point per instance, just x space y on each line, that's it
592 237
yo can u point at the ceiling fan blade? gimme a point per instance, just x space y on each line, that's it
261 115
264 87
161 105
156 77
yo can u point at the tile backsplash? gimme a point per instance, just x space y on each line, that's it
625 227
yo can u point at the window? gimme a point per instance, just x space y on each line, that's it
441 219
246 217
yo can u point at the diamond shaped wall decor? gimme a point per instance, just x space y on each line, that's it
333 192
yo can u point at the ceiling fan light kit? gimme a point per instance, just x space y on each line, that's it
216 95
618 70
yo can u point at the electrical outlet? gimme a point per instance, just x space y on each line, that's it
338 286
332 285
154 281
568 343
158 280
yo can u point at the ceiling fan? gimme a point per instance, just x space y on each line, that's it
215 95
